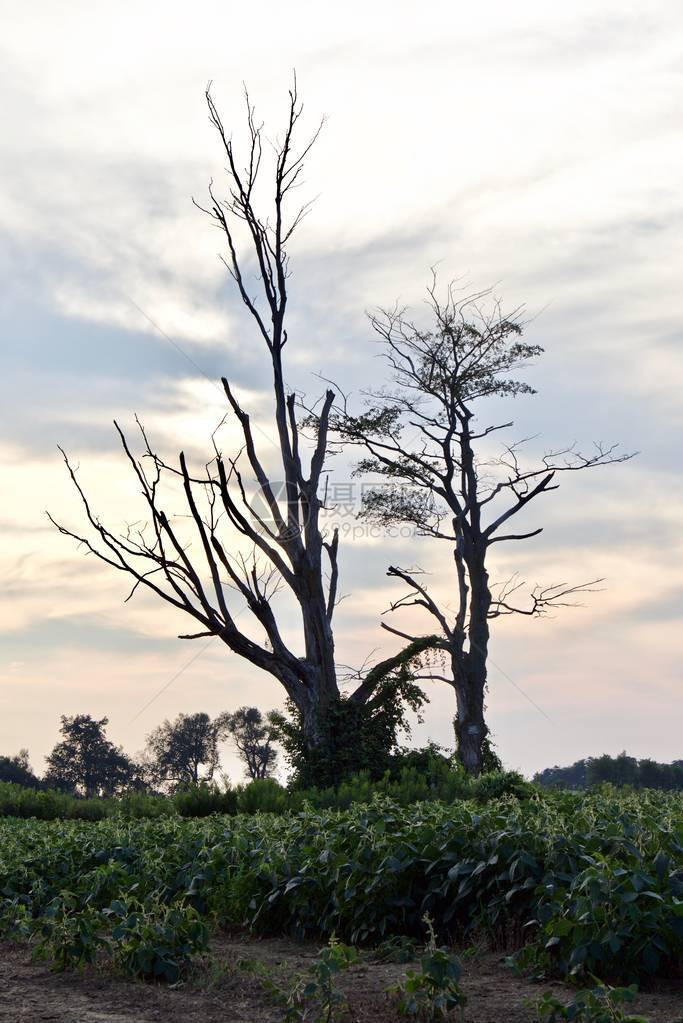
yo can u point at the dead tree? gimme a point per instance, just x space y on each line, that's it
195 559
426 439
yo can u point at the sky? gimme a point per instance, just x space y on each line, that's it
529 147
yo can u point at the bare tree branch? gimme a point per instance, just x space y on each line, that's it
194 559
425 439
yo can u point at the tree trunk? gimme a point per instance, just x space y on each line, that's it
319 646
314 703
470 727
321 688
469 672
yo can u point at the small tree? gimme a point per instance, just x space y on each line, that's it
254 736
185 751
17 769
85 761
428 440
572 777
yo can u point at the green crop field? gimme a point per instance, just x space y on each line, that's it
580 885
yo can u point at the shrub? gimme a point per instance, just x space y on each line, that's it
415 776
205 799
500 783
262 795
601 1004
48 804
143 805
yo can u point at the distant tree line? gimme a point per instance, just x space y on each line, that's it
621 770
185 752
178 754
182 754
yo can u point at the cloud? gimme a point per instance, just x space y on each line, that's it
532 146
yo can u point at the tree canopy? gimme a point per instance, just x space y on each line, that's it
185 751
17 769
254 736
85 761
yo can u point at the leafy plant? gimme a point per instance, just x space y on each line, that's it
613 918
434 990
204 799
69 934
158 942
601 1004
399 949
588 883
319 993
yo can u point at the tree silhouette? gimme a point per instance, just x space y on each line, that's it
17 769
185 751
85 761
431 442
254 736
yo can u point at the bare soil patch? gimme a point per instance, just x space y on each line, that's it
232 985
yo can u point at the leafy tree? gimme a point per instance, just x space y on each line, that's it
621 770
17 769
652 775
359 736
254 736
572 777
85 761
430 441
184 752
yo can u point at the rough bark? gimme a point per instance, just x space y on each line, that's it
470 726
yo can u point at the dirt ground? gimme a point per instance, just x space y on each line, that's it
232 984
